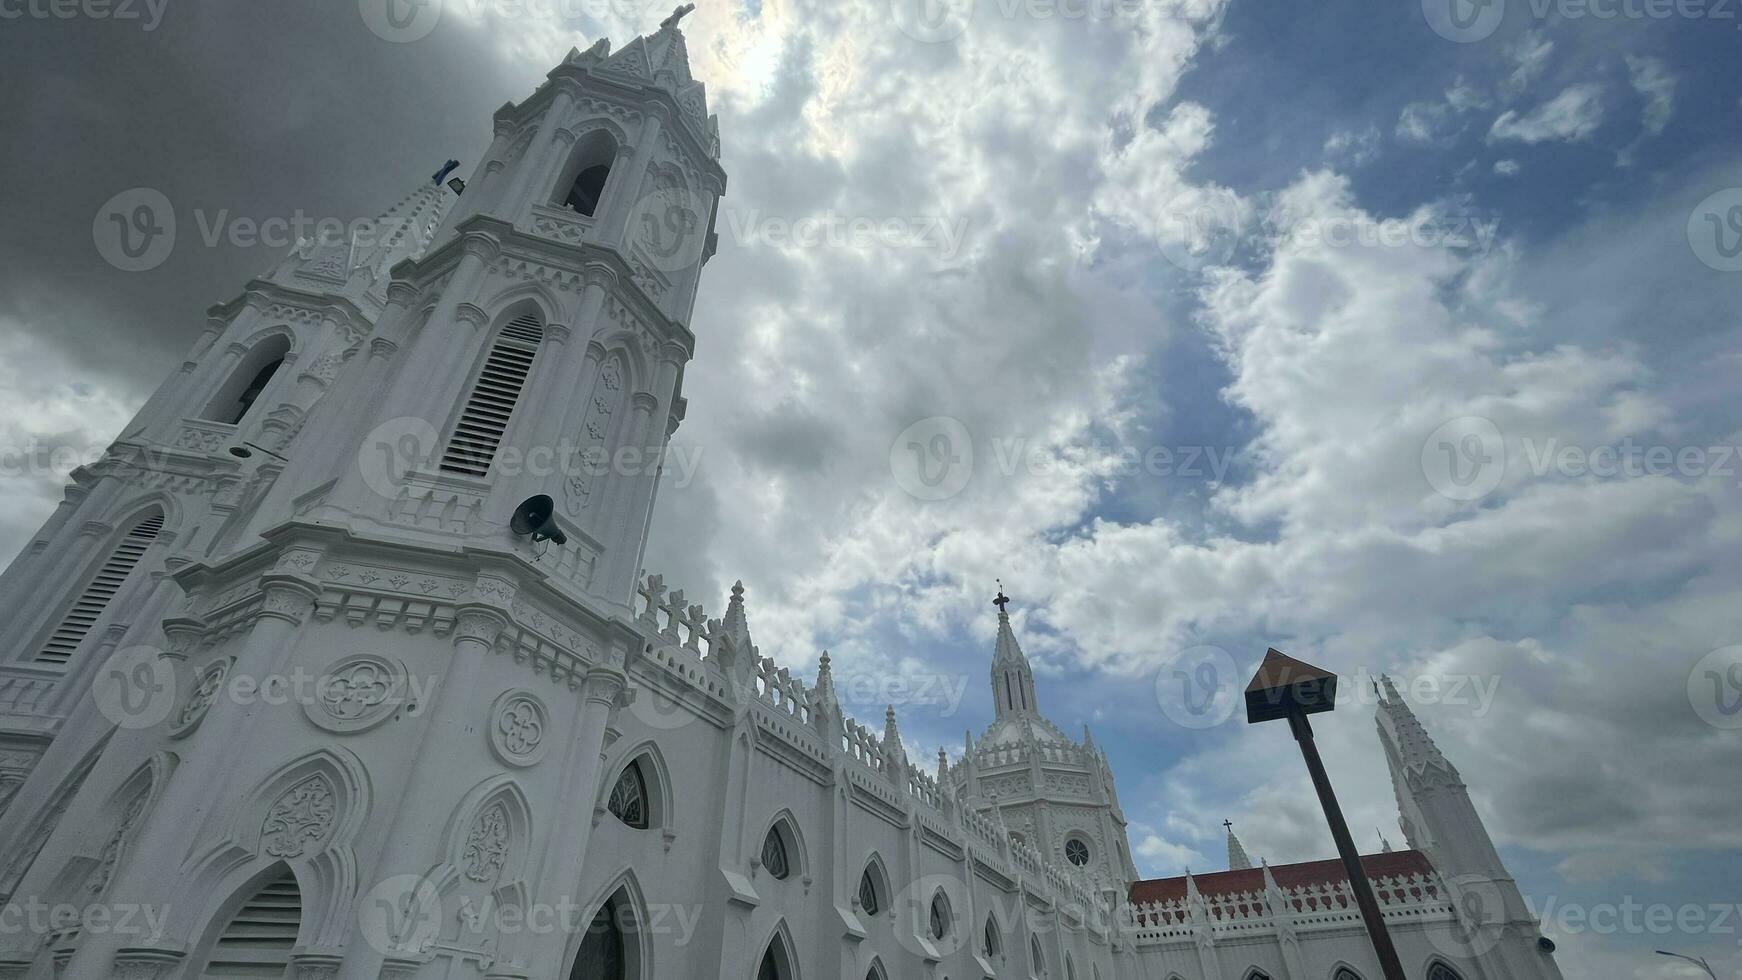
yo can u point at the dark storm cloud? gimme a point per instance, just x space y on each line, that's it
233 111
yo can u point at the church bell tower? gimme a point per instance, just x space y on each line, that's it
284 646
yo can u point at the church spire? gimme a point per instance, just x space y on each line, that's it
355 261
1415 750
1237 859
1012 677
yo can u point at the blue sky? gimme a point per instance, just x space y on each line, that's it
1144 254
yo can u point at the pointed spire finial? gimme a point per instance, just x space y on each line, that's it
1237 859
1002 600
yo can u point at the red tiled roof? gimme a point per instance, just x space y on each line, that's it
1286 875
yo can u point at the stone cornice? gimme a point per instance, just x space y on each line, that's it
593 260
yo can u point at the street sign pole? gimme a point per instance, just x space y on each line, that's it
1287 688
1382 945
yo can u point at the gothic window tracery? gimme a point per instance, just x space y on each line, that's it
774 856
868 900
628 801
1077 852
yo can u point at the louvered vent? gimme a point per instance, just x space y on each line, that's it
479 432
77 622
258 940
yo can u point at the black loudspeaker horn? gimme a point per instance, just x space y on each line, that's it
535 516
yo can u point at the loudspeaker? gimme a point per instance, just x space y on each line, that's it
535 516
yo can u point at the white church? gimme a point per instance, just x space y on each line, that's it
289 692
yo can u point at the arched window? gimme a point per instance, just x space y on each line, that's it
1036 958
257 940
1256 974
588 188
1440 971
1077 852
1070 968
1344 973
940 915
870 897
484 420
77 621
587 173
876 972
242 389
776 962
628 801
774 856
991 944
605 949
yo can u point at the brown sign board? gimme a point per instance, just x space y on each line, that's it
1284 686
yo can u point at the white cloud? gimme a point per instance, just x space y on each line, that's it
1529 54
1572 115
1507 168
52 418
1655 84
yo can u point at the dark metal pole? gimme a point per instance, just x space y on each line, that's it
1388 962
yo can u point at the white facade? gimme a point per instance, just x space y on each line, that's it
284 694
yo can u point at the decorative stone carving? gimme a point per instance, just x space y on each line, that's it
98 882
357 693
200 698
286 602
517 724
487 844
145 964
301 816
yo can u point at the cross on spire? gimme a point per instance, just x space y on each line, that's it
678 14
1228 824
1002 600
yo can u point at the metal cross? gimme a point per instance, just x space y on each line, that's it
677 15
